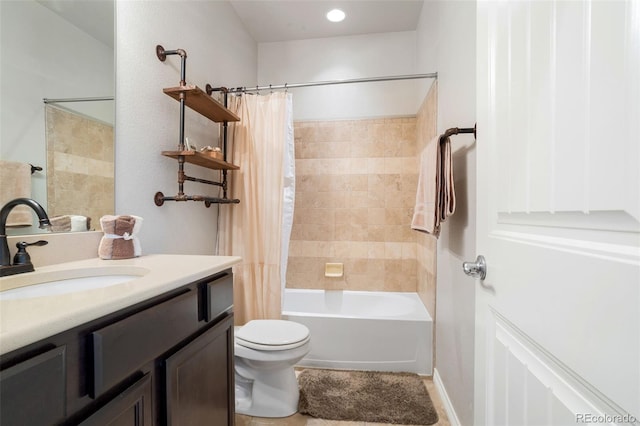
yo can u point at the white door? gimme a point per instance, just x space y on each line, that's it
557 317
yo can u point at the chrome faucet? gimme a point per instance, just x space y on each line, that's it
6 268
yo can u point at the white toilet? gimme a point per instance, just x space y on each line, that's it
265 353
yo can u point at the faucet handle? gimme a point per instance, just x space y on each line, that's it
22 257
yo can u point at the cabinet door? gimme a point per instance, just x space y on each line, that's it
33 392
131 408
199 379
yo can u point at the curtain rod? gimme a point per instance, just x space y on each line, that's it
320 83
55 101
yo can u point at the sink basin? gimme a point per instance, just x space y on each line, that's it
50 283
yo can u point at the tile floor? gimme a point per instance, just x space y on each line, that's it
303 420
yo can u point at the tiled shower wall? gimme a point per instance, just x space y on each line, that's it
355 192
80 166
426 244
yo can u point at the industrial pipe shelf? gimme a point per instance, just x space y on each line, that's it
201 159
196 99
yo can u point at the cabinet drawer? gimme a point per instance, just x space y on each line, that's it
34 391
217 296
122 348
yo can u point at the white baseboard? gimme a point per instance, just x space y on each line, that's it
444 397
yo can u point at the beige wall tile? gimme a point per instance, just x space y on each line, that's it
425 244
410 251
79 166
376 233
358 199
376 250
355 190
376 216
375 166
393 250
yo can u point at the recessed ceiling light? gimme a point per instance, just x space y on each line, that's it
335 15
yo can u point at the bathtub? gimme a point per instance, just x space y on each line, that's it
363 330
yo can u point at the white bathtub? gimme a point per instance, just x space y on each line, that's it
363 330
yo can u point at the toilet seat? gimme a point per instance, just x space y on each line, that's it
272 335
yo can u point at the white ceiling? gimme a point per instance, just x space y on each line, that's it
282 20
268 20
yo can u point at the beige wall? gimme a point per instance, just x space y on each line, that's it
355 192
80 166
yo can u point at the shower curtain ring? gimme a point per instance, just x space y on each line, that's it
270 89
285 88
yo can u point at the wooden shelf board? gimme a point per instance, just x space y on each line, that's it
200 159
199 101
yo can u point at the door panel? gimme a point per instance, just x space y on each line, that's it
528 387
131 408
200 379
558 210
33 392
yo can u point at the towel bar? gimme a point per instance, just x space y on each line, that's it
455 130
160 198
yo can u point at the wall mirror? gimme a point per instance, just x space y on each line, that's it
57 107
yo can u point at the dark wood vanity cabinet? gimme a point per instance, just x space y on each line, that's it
196 395
133 407
33 391
166 361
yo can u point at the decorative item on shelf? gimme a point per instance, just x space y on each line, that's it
190 145
213 152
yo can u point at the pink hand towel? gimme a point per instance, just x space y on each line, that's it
425 210
118 239
435 196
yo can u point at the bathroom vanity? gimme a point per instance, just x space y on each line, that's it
155 350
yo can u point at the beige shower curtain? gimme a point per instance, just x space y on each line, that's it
258 228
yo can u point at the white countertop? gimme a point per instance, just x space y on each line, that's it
24 321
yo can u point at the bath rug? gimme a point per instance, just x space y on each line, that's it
365 396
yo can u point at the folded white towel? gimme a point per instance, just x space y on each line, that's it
79 223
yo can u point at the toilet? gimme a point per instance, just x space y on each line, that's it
265 353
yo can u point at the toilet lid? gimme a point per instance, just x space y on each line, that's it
272 334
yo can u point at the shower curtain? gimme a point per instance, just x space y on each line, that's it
258 229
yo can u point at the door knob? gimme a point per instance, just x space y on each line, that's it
477 269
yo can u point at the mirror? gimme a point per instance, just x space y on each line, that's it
62 51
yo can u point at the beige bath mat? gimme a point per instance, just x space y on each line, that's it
366 396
